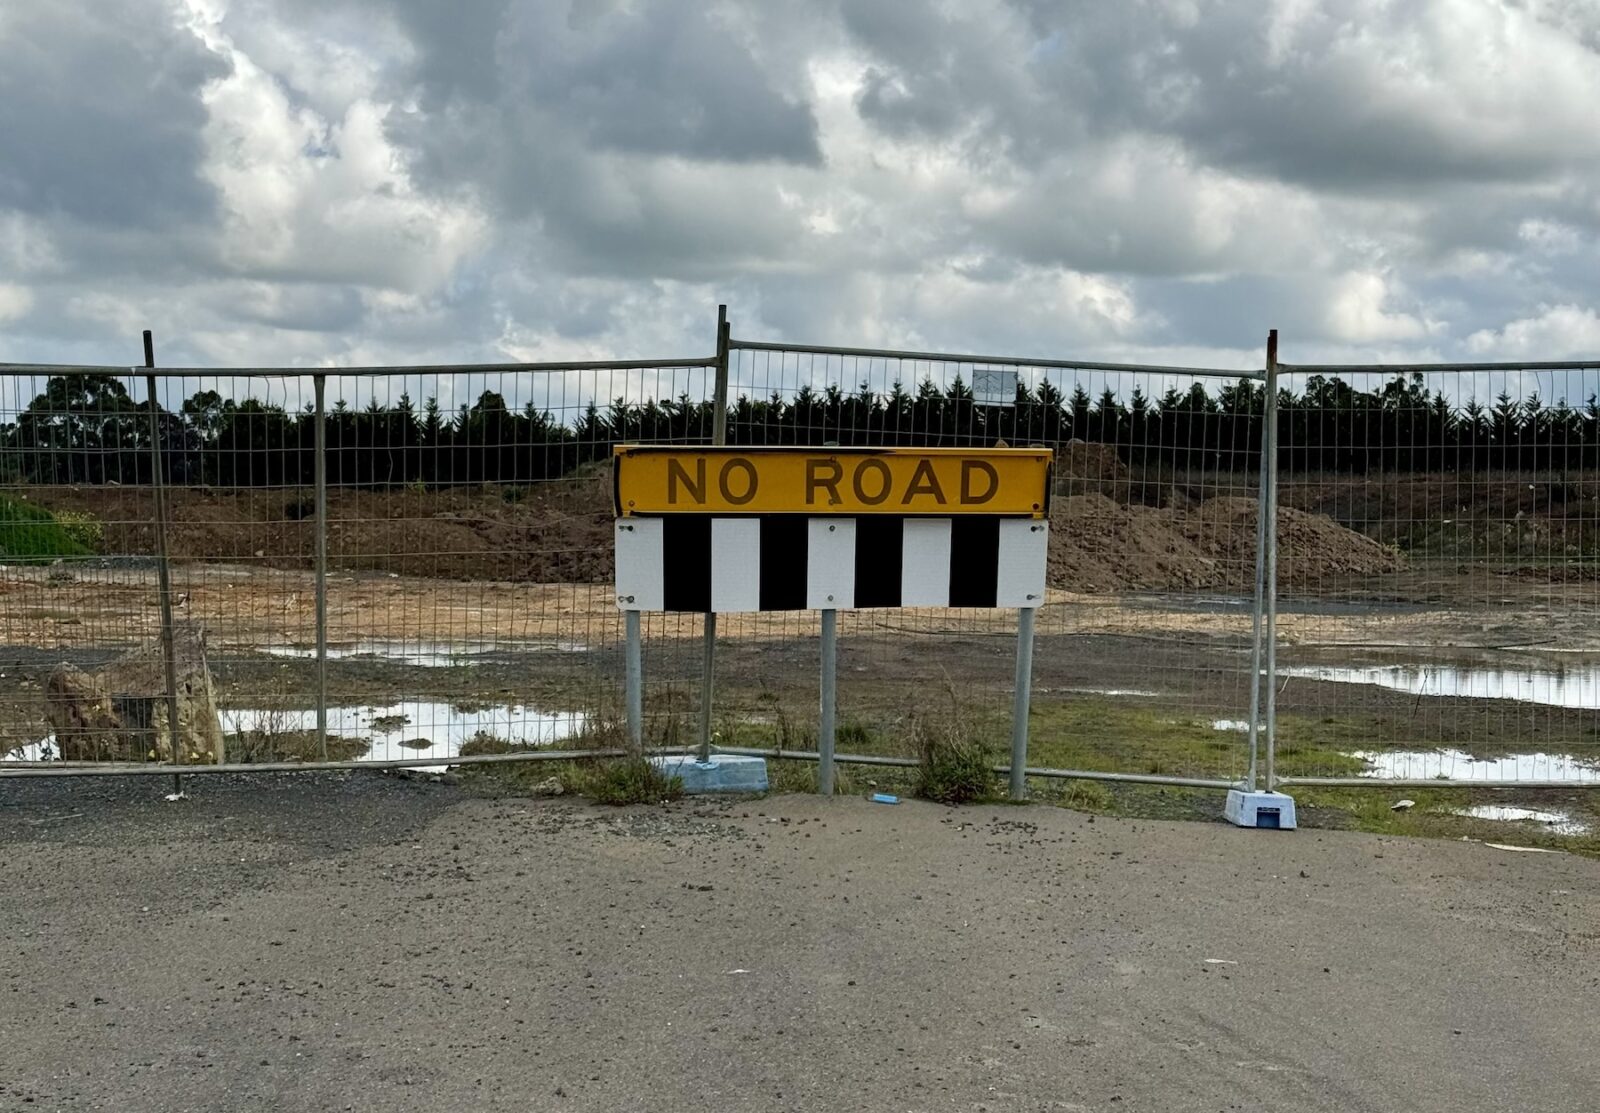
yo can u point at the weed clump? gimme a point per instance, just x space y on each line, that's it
954 766
631 780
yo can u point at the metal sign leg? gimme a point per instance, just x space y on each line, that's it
708 683
635 682
1019 707
825 727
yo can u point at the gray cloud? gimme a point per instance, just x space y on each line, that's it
100 114
400 180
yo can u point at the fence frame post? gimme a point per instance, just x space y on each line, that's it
1271 463
1263 512
169 648
320 474
1021 701
719 436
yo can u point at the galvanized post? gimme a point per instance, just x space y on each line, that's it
1271 440
1262 513
320 471
708 680
719 393
1020 704
169 649
830 701
634 670
719 435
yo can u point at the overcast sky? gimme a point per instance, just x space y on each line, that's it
409 181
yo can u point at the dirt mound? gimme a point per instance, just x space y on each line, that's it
1100 545
1312 548
556 532
1082 460
560 532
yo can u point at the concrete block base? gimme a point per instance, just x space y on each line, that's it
1273 810
723 773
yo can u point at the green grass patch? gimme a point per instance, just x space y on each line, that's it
630 780
801 777
1102 734
263 745
1432 814
1119 736
623 780
31 534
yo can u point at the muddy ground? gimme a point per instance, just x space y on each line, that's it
356 942
1113 673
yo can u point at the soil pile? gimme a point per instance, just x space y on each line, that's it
560 532
1091 461
556 532
1100 545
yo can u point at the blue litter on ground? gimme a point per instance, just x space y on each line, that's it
883 798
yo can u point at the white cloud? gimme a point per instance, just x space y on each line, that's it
1555 332
14 301
1360 311
310 198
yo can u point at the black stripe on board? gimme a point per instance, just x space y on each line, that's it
686 562
880 541
783 562
974 560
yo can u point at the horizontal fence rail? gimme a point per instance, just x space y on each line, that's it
30 369
396 567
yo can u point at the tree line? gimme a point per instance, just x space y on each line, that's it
88 429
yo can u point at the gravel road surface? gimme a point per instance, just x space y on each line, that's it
361 942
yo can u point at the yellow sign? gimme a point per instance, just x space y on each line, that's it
920 481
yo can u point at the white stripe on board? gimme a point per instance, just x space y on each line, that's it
640 559
735 564
831 563
925 563
1023 547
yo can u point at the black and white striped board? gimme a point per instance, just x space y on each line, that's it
786 562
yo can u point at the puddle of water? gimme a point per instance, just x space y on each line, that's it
1457 765
432 655
1574 687
1559 823
1111 691
394 729
1232 604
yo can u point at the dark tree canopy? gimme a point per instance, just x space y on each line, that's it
86 429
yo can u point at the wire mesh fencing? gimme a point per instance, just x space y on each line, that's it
1142 648
1451 640
461 603
415 564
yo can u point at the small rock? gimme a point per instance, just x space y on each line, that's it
1402 805
550 786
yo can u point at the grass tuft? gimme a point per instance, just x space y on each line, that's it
630 780
954 765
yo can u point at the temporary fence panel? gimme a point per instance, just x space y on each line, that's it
1440 574
433 582
1142 655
